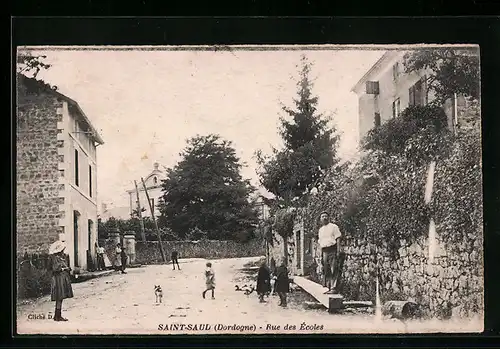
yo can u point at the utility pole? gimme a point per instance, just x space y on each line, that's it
139 213
154 220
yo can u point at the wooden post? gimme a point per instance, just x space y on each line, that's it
139 213
154 220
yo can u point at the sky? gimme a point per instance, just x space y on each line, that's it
146 103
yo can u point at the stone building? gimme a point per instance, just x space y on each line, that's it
386 90
56 173
153 185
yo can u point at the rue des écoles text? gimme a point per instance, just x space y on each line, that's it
241 328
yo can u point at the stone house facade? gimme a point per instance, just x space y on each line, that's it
56 192
153 185
386 90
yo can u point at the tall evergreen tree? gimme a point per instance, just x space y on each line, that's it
310 146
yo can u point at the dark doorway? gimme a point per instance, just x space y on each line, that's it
76 221
299 249
91 227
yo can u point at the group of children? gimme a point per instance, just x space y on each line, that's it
267 282
275 282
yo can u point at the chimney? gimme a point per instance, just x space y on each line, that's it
156 165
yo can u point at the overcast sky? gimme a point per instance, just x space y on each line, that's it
145 104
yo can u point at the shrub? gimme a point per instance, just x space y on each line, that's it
381 198
419 133
457 200
34 282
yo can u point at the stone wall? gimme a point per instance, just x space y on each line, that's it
38 188
149 252
450 285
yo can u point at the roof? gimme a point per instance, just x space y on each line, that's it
71 102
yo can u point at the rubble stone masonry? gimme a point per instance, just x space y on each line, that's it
449 285
39 187
452 284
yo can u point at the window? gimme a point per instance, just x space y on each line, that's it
396 108
77 178
90 180
152 203
395 71
377 120
417 92
372 87
75 127
155 180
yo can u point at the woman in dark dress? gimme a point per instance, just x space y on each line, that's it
282 283
61 280
263 282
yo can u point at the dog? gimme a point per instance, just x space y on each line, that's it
158 293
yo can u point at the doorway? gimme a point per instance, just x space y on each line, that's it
298 235
90 256
91 227
76 227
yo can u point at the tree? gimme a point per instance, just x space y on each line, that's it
28 67
205 192
451 71
310 147
126 225
29 64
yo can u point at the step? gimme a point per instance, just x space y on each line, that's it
332 302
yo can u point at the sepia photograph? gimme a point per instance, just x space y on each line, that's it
288 189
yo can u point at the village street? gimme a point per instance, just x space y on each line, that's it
125 304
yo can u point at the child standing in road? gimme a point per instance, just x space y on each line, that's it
209 280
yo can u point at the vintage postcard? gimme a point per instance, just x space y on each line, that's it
249 190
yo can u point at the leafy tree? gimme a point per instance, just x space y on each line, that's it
310 147
28 67
451 71
205 192
29 64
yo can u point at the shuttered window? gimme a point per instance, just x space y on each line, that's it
377 120
90 180
372 87
77 169
417 93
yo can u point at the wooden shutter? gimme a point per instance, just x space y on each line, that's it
412 96
77 169
372 87
377 120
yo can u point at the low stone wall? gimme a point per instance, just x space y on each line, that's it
149 252
451 285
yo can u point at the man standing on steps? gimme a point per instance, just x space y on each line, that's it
329 240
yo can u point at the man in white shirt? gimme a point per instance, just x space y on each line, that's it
329 240
100 257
